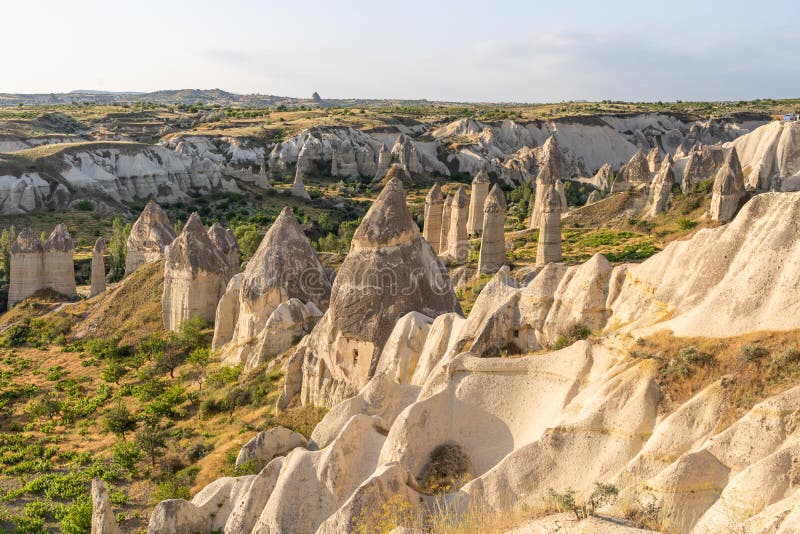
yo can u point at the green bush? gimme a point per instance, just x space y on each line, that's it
77 518
686 224
574 333
752 353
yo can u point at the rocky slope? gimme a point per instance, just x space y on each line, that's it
109 174
565 419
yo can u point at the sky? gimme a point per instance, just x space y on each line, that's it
490 51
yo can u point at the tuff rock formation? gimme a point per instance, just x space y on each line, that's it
634 174
280 295
728 188
593 197
547 176
703 163
770 156
150 234
59 267
390 271
549 247
492 255
434 204
26 270
226 242
111 175
406 156
654 160
268 444
457 240
603 178
103 520
98 267
35 265
661 188
298 189
195 276
563 420
447 212
480 190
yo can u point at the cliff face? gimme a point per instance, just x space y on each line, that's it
109 174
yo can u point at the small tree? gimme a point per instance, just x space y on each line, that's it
7 238
117 249
152 439
199 359
119 420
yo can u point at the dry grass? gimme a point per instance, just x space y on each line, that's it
752 367
131 310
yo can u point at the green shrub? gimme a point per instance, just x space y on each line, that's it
119 420
752 353
127 455
686 224
574 333
84 205
77 518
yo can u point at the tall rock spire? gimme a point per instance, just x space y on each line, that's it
480 189
457 239
493 246
434 204
549 248
98 267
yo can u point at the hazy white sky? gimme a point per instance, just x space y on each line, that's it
465 50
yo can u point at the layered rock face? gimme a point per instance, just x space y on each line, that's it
728 188
661 188
549 247
347 152
225 241
457 243
703 163
563 420
635 173
593 197
280 295
447 212
195 276
434 204
110 173
493 245
35 265
480 190
770 157
150 234
98 267
389 271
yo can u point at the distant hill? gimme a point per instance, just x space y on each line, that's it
189 96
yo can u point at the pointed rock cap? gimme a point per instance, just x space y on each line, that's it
100 245
59 240
495 199
222 237
388 221
448 201
481 178
548 167
551 146
435 195
638 157
152 224
729 179
26 242
285 260
461 199
396 172
193 250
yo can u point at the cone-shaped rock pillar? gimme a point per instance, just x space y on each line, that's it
493 246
